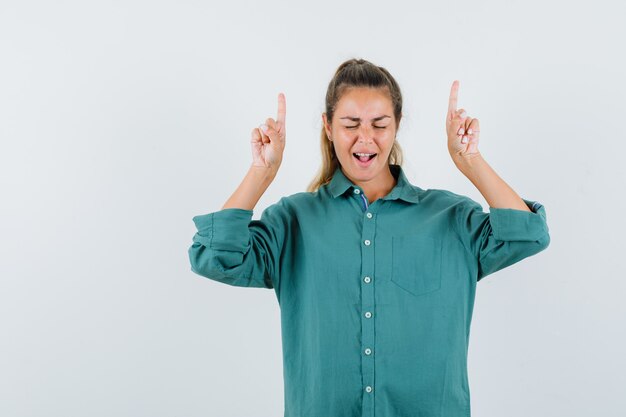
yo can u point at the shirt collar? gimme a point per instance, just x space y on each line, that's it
403 189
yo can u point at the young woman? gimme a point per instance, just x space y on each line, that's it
375 277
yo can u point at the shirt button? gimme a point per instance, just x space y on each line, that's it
367 242
369 215
367 280
368 351
368 389
368 314
357 191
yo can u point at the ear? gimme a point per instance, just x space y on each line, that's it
326 124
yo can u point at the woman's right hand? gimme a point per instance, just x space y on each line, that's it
268 145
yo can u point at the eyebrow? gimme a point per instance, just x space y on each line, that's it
358 119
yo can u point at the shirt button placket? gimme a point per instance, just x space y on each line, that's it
367 304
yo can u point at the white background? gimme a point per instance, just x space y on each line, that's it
120 121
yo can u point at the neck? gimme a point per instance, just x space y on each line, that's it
377 187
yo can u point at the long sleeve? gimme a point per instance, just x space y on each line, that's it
231 248
503 236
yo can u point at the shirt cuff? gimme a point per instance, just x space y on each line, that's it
512 224
226 229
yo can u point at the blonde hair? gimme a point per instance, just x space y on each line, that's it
355 73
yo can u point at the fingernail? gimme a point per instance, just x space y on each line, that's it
469 131
263 127
464 139
461 131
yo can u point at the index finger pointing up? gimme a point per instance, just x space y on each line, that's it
282 109
454 93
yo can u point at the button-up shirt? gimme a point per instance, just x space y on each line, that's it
376 299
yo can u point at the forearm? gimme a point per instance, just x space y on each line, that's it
496 192
254 184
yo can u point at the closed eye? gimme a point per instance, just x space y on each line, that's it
376 127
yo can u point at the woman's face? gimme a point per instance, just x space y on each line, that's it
363 122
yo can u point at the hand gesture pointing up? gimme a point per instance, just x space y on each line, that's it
462 130
268 140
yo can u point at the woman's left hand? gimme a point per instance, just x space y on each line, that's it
463 131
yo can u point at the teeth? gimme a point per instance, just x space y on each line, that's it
363 154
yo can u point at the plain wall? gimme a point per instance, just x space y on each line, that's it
120 121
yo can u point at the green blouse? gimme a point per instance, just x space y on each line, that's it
376 299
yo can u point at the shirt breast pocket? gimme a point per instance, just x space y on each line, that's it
416 263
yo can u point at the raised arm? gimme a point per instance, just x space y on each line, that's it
463 137
515 228
229 246
268 144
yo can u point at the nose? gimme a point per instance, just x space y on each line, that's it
365 133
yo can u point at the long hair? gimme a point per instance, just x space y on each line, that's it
355 73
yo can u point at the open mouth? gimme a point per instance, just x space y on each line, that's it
364 157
